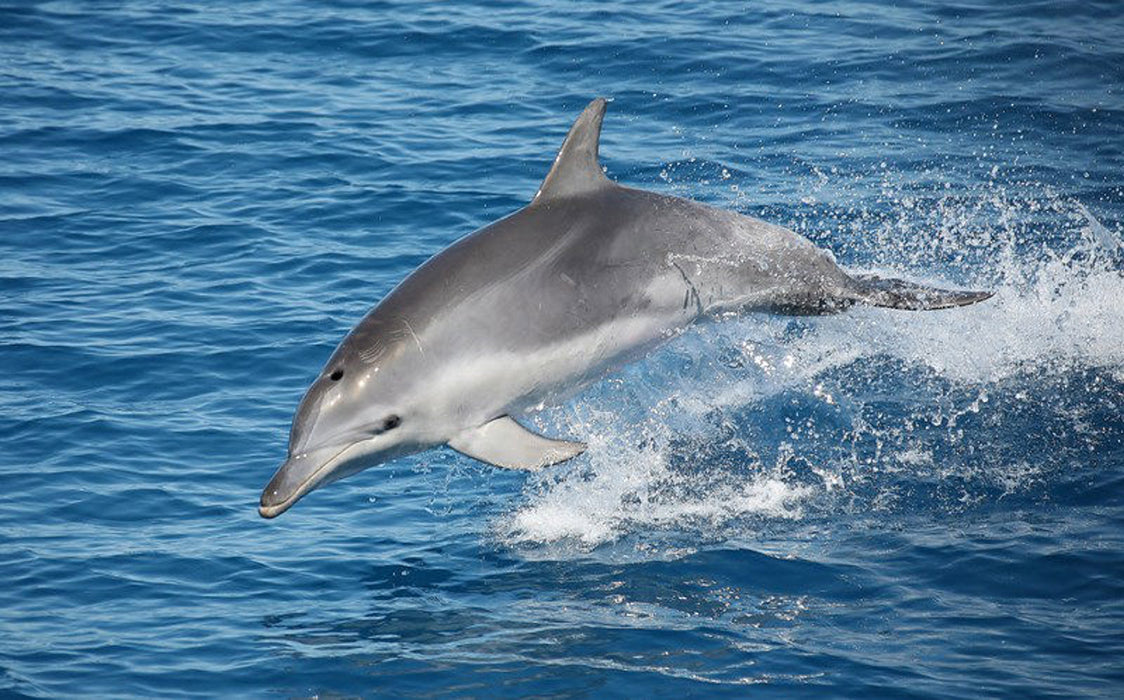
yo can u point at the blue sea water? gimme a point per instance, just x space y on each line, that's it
198 200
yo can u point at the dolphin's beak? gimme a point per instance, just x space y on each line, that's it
298 475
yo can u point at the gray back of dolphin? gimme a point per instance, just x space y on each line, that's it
585 277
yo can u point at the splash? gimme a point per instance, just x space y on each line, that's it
639 483
770 419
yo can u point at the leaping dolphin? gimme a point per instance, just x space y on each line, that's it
587 276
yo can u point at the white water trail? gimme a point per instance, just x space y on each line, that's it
671 440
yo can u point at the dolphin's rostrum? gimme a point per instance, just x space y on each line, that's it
587 276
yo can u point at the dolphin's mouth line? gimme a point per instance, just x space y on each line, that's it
302 488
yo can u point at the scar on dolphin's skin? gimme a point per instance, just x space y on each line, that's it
410 330
691 293
497 335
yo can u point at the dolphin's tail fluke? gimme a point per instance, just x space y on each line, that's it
901 294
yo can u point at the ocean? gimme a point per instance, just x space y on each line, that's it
198 200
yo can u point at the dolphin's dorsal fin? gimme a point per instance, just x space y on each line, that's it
505 443
576 168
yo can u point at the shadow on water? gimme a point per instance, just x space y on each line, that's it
547 619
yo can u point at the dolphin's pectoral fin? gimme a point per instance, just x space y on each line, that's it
504 443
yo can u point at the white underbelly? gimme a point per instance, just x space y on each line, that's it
473 388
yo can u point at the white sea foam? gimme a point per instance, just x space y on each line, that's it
652 430
620 491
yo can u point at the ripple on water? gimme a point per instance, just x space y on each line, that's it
197 204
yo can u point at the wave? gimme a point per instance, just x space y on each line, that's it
766 419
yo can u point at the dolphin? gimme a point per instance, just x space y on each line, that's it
588 276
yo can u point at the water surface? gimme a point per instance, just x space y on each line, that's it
198 200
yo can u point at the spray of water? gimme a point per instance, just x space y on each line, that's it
770 419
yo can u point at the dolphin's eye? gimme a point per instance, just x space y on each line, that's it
391 422
336 376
